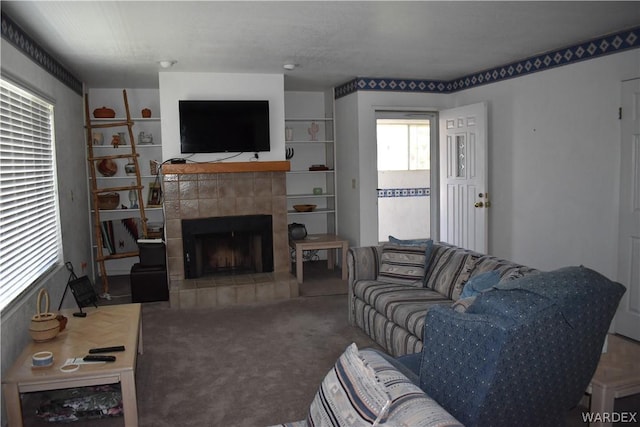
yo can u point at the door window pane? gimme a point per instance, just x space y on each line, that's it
403 144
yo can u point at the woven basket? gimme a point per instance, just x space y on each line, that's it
108 201
44 326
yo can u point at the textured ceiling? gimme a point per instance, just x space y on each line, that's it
118 43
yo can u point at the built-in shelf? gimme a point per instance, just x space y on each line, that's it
124 119
313 212
309 196
130 210
148 155
302 110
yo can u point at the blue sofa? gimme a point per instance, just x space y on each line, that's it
522 353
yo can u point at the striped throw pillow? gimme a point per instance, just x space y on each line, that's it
403 264
350 395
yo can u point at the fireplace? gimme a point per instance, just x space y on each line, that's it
201 191
229 245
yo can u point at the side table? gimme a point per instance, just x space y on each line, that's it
331 242
617 375
105 326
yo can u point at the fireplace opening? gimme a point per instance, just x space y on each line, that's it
227 245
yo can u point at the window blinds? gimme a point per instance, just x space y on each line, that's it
29 222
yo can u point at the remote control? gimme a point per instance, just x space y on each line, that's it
92 358
107 349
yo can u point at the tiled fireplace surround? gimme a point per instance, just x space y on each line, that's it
226 189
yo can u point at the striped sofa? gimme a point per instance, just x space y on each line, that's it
392 312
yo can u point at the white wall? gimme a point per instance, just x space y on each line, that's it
555 162
204 86
73 198
554 147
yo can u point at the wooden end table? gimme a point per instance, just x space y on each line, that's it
104 326
331 242
617 375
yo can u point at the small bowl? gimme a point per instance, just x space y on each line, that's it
104 113
108 201
304 208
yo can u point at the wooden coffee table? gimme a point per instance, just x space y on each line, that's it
104 326
617 375
331 242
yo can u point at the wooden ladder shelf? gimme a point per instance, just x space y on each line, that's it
132 155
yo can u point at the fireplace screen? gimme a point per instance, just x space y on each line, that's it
227 245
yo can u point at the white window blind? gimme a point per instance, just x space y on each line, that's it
29 220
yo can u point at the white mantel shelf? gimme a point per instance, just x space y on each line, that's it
226 167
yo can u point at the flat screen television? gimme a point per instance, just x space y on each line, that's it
224 126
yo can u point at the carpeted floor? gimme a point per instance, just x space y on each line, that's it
253 365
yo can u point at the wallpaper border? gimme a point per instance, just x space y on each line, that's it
595 48
15 35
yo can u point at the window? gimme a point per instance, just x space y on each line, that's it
403 144
29 220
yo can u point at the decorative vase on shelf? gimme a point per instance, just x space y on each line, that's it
146 113
133 198
130 168
123 138
107 167
98 138
145 138
313 131
104 113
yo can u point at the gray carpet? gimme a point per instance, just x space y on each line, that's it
252 365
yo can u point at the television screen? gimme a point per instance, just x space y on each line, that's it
224 126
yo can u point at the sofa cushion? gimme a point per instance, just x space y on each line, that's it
449 269
403 305
350 394
416 242
403 264
479 283
508 270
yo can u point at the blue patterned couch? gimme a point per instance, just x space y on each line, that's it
391 310
521 354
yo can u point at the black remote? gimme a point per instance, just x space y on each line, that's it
91 358
106 349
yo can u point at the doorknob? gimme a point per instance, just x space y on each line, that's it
479 204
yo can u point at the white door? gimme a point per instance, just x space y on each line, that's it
464 196
628 316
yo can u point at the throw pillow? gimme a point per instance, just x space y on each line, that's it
416 242
480 283
350 395
402 264
450 269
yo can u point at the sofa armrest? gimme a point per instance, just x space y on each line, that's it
410 405
363 263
